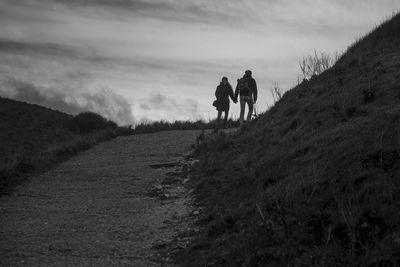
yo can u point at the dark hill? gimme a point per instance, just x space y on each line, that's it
33 138
315 181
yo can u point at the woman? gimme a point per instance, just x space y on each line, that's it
223 92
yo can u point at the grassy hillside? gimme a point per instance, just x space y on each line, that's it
316 180
33 138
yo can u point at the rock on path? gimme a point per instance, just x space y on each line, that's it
93 210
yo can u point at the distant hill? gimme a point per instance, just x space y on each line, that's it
315 181
33 138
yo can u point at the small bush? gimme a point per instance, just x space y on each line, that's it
88 122
315 64
276 93
124 131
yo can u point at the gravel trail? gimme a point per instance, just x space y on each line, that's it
95 209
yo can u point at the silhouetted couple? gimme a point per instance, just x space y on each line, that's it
246 88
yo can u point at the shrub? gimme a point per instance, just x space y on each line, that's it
315 64
276 93
87 122
125 131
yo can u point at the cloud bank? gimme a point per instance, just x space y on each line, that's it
104 101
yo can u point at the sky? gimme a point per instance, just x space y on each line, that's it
135 60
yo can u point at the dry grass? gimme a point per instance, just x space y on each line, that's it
158 126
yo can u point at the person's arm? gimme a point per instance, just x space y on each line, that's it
230 93
255 91
216 92
237 91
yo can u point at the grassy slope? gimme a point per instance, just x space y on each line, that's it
33 138
316 180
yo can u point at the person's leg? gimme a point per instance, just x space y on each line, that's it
226 118
219 119
242 107
219 115
250 103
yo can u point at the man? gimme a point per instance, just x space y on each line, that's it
247 88
222 93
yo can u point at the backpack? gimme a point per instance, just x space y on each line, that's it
243 86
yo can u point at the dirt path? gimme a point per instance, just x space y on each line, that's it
95 209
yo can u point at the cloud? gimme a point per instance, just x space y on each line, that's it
158 102
286 14
183 108
193 108
8 46
104 101
170 10
204 11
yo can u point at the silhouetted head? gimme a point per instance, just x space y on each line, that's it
224 80
247 73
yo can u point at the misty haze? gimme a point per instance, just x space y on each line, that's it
199 133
